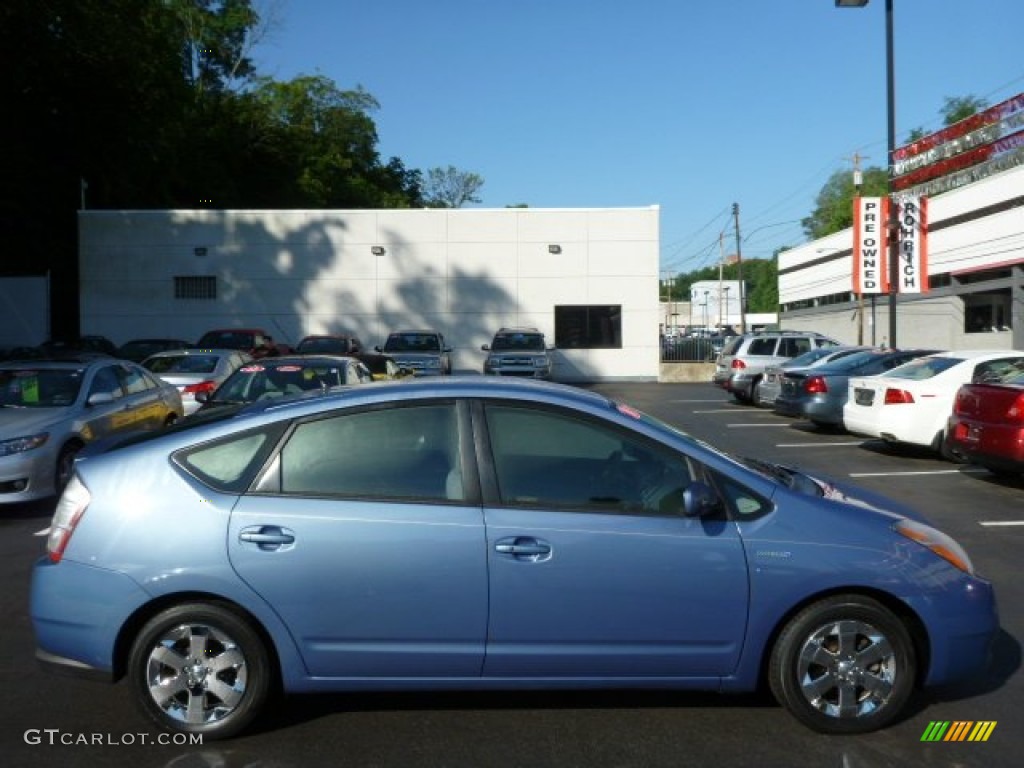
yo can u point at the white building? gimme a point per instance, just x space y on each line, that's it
975 271
587 278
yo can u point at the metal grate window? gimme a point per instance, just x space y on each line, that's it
195 287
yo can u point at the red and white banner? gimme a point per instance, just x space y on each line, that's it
869 255
913 245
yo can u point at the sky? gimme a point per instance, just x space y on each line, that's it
689 105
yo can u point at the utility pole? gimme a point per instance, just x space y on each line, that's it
721 265
739 267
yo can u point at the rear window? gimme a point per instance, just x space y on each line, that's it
182 364
732 345
924 368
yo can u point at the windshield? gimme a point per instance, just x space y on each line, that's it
227 340
262 381
324 345
533 342
40 388
412 342
182 364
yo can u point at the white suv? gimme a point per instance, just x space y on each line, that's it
742 361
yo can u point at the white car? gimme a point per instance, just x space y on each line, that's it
912 403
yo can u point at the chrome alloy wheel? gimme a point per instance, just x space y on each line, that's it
196 674
847 669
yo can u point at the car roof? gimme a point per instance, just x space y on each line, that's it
195 351
301 360
976 354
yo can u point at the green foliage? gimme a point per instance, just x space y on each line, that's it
760 276
956 108
833 208
451 188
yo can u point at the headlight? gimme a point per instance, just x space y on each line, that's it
432 363
22 444
540 361
942 545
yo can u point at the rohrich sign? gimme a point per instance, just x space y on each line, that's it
870 254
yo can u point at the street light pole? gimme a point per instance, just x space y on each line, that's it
892 226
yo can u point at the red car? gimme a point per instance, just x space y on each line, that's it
253 341
987 425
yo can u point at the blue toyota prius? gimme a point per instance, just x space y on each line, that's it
478 533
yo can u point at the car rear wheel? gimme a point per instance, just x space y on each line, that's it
200 668
845 664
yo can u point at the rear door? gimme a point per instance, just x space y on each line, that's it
364 539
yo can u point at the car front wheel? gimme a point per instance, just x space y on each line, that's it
845 664
200 668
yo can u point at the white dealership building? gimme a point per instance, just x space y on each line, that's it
971 295
587 278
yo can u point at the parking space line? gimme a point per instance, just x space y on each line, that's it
44 532
736 426
816 445
1002 523
978 471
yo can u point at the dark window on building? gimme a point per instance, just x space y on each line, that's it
588 327
195 287
987 312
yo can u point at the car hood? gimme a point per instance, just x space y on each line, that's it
846 493
16 422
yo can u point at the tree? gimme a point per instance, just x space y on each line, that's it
956 108
451 188
833 209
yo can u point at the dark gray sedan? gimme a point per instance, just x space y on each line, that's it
819 394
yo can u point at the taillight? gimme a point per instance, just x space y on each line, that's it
815 385
737 364
960 403
202 386
69 513
897 396
1016 411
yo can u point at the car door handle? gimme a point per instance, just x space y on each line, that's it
268 537
523 547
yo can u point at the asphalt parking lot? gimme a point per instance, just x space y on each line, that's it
50 719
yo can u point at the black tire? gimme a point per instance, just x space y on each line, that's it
946 450
65 466
845 664
217 695
755 392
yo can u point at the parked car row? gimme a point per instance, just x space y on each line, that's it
963 405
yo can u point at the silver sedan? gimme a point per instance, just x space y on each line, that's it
195 370
49 410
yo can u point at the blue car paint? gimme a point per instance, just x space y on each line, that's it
805 546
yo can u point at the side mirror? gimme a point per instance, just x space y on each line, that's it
699 501
486 347
202 396
100 398
377 348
